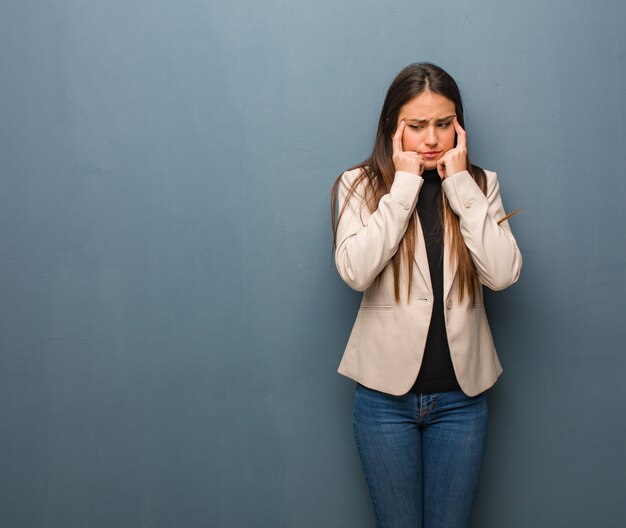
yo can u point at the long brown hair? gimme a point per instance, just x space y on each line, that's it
378 173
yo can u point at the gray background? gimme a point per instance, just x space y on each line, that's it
170 317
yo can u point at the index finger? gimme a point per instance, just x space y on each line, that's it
397 138
461 140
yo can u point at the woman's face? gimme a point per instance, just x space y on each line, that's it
429 130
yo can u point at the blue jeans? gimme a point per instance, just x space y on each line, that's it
421 454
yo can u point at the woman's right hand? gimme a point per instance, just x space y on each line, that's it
407 161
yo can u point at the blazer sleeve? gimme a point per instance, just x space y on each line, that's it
366 241
493 248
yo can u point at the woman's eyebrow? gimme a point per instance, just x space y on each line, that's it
418 120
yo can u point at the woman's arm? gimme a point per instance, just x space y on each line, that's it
493 248
366 241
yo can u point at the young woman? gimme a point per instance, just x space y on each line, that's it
420 230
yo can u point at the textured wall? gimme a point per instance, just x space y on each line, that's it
170 318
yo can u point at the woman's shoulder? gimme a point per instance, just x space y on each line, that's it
352 174
491 178
357 183
492 181
355 178
490 175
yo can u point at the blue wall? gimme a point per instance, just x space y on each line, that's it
170 318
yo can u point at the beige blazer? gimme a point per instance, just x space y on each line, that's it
386 345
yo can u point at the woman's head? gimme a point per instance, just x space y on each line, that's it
427 98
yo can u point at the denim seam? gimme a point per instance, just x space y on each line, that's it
367 479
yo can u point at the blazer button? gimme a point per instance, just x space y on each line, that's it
449 303
468 204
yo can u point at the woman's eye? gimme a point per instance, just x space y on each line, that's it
445 125
416 127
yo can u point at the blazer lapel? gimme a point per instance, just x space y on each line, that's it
420 257
449 270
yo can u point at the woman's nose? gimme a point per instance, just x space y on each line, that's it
431 136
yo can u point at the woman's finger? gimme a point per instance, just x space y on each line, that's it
461 136
441 167
397 138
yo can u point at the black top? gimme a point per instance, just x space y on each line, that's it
437 372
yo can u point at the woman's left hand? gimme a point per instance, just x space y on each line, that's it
455 160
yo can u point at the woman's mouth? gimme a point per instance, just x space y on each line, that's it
430 155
